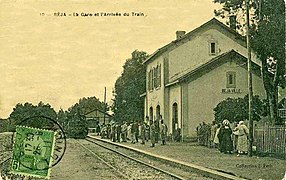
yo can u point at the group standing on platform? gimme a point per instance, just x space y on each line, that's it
133 131
224 137
227 138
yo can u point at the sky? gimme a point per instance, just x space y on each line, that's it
60 59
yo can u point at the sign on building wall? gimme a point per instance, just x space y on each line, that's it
231 91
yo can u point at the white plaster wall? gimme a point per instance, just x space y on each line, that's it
205 93
195 52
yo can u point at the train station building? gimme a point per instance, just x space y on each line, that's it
187 78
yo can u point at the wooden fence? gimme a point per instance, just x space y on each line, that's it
270 140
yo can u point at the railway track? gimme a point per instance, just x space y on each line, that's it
126 166
174 172
103 161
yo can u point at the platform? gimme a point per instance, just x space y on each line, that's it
211 161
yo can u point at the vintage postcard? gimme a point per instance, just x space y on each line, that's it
142 89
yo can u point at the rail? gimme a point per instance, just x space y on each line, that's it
138 161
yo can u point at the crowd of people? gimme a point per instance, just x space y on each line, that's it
227 138
149 130
224 137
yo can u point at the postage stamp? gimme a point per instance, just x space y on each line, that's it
47 123
32 152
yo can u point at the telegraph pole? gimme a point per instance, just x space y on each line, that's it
104 105
250 90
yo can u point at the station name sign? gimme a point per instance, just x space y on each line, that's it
231 91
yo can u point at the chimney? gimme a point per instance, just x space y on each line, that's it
232 22
179 34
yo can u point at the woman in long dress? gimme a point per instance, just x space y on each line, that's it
242 132
224 136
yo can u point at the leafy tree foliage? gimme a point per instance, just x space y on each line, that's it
267 39
24 111
62 118
76 125
85 105
127 103
236 109
4 125
74 121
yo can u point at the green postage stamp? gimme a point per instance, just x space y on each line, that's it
32 152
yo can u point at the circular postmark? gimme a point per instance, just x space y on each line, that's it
39 144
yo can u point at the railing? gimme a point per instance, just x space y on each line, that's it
270 140
282 113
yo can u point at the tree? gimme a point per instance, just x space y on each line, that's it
77 126
28 110
267 39
127 103
62 118
236 109
88 104
74 121
4 125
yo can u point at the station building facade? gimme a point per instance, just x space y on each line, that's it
188 77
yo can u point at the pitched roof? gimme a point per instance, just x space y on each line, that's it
214 63
238 37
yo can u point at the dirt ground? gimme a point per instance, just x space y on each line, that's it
78 164
262 168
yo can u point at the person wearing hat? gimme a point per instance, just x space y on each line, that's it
225 132
242 132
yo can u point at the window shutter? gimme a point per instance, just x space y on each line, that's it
155 77
149 80
152 87
159 78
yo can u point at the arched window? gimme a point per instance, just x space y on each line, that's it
158 112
